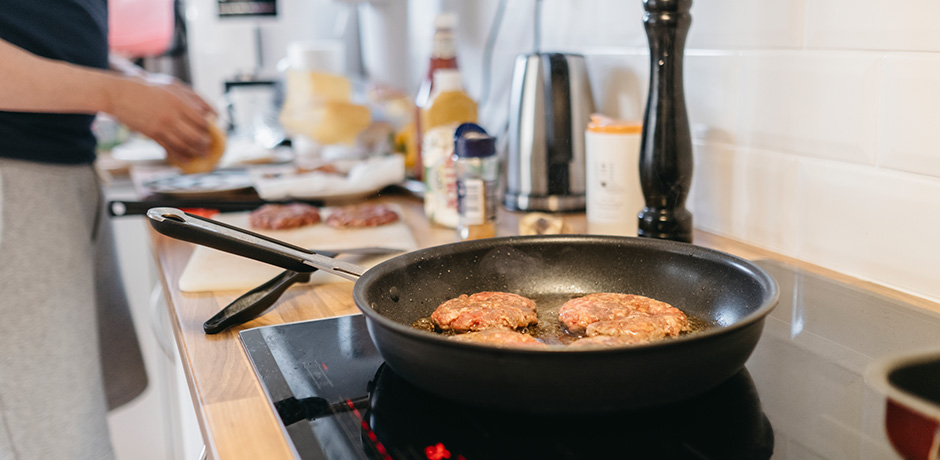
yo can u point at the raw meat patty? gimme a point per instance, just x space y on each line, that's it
485 310
634 318
363 215
283 216
500 337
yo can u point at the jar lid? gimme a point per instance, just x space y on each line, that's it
604 124
475 146
465 129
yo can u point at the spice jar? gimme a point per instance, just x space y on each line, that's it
477 169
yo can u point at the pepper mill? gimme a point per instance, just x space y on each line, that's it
666 144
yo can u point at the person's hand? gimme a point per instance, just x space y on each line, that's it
166 111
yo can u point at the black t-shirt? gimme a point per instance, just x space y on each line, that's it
69 30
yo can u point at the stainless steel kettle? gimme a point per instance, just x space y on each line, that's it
550 106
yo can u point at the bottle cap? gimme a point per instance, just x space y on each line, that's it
445 21
603 124
470 131
475 147
447 80
466 128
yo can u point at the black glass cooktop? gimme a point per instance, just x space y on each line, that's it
801 394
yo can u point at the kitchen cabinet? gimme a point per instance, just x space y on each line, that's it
160 424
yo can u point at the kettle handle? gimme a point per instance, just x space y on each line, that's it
558 131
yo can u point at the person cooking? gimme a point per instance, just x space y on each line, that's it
60 291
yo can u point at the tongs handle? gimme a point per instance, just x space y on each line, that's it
177 224
254 302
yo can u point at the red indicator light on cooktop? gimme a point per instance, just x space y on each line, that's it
437 452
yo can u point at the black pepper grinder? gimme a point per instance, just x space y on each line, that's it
666 145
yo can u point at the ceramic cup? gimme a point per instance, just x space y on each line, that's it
911 385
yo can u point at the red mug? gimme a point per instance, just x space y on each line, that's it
911 385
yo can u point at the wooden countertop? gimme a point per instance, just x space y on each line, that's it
236 419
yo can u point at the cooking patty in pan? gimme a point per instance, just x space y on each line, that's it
500 338
638 318
485 310
593 320
600 341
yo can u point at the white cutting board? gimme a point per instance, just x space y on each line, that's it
213 270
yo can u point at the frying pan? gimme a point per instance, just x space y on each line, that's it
729 294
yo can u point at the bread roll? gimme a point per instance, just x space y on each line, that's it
205 163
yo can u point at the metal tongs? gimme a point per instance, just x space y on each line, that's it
254 302
218 235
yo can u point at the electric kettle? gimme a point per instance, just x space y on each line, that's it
550 107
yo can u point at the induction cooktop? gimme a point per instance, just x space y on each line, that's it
800 396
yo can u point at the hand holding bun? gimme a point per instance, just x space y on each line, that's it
170 113
203 164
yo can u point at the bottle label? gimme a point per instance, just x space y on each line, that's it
613 190
472 201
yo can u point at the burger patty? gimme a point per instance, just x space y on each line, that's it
500 337
632 318
283 216
601 341
485 310
642 326
364 215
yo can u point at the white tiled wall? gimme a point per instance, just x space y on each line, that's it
910 114
816 123
872 25
816 104
747 24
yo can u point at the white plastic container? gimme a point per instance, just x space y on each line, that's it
613 192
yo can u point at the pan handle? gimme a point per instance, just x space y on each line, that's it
177 224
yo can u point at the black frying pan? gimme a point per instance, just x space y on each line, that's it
730 294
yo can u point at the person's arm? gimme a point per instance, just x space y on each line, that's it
166 111
125 67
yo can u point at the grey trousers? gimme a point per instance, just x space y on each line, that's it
68 350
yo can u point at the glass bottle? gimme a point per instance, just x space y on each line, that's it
477 169
443 56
